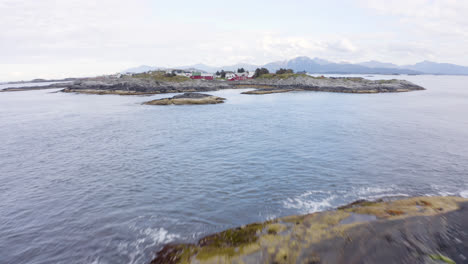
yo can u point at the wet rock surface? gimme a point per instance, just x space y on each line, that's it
415 230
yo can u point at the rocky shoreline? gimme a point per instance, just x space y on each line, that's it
128 85
334 85
413 230
187 99
34 88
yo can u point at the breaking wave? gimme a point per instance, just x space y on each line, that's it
147 241
464 194
317 200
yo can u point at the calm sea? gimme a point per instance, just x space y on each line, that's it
104 179
17 85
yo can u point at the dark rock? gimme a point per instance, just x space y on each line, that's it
415 236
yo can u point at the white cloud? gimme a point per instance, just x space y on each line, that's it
342 45
430 16
50 38
427 29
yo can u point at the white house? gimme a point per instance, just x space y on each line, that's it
230 75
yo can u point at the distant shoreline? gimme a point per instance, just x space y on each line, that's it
42 81
317 73
158 83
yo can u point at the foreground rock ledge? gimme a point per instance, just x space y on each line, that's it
188 99
415 230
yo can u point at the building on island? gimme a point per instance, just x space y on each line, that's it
201 76
239 76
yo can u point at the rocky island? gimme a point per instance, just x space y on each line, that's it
414 230
188 99
159 82
270 83
280 83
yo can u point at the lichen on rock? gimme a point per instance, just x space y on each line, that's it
325 238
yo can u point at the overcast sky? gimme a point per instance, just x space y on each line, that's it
62 38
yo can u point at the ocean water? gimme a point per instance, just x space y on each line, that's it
17 85
104 179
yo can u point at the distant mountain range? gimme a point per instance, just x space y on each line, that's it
317 65
195 67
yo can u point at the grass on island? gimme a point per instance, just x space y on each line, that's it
281 76
295 75
161 76
387 81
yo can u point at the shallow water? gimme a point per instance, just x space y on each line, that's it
103 179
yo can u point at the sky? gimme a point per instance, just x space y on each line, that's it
76 38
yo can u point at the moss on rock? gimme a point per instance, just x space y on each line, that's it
296 239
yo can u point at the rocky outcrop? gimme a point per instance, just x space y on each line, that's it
128 85
276 84
415 230
336 85
188 99
142 86
34 88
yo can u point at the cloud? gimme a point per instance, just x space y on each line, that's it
426 28
51 38
434 16
342 45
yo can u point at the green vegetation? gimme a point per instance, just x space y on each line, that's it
231 242
221 74
161 76
354 79
283 71
288 239
387 81
240 70
405 208
442 258
233 237
176 254
281 76
260 71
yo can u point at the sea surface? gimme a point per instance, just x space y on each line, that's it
26 84
104 179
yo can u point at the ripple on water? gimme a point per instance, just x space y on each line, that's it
102 178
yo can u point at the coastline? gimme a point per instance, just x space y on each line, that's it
292 138
415 230
129 85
